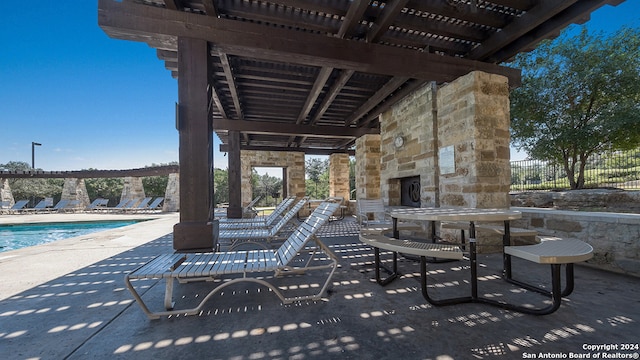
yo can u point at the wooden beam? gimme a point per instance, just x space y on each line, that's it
390 12
571 15
266 127
352 17
316 89
519 27
136 22
335 89
228 74
308 151
210 8
388 88
91 174
407 88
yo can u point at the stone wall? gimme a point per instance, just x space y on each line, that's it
614 236
411 120
609 200
473 121
292 161
339 176
458 143
368 167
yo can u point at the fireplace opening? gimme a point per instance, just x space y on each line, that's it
410 191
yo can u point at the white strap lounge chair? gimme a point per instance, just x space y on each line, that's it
260 235
258 221
185 267
250 211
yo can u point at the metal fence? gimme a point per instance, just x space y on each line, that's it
608 170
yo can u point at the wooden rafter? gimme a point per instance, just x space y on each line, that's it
281 128
249 40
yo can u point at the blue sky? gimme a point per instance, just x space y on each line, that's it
96 102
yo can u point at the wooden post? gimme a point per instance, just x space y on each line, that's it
235 176
195 231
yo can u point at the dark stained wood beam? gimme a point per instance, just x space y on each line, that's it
216 100
308 151
352 17
210 8
173 4
144 23
519 27
91 174
316 89
407 88
335 89
571 15
381 25
465 12
266 127
388 88
521 5
228 74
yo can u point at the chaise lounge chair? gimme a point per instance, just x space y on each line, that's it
185 267
18 206
250 211
260 235
258 221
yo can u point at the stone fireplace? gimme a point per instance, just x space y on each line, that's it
451 143
405 191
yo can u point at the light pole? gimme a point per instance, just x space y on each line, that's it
33 153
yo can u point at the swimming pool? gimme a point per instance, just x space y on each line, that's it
19 236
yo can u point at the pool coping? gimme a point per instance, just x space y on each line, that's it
45 262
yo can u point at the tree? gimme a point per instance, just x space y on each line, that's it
579 96
220 186
32 188
315 168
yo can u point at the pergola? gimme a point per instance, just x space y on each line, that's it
314 75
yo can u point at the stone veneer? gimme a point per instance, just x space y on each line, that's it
75 189
339 176
132 188
614 236
292 161
470 116
171 201
468 121
368 167
5 192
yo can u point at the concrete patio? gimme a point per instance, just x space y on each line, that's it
68 301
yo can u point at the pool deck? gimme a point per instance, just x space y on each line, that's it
67 300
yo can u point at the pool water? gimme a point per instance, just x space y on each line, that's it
19 236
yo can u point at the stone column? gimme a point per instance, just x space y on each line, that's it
75 189
132 188
339 175
5 192
473 115
368 163
172 194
